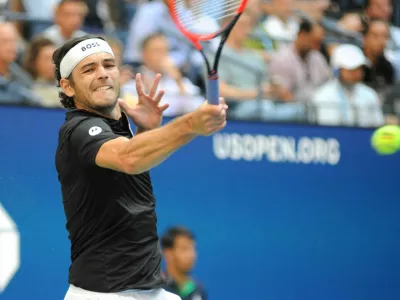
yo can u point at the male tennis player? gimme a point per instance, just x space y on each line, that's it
104 173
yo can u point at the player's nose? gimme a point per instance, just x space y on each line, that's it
102 72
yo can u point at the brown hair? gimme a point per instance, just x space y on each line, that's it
36 45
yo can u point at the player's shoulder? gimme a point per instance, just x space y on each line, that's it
78 120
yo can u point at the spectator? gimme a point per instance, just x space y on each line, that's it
282 26
121 12
345 100
299 68
39 13
180 93
258 39
69 17
241 70
94 22
244 80
15 83
376 9
39 64
313 8
319 42
379 73
178 245
143 25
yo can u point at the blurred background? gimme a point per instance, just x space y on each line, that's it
288 202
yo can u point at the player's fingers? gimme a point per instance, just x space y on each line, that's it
213 110
215 122
223 114
214 128
164 107
222 126
159 96
139 84
154 86
222 101
124 106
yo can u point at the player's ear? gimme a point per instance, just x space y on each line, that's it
67 87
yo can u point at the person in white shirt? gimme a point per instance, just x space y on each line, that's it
345 100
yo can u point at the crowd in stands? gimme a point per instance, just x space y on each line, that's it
315 61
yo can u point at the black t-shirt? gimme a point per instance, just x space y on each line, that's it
380 75
111 218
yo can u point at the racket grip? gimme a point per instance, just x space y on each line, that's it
213 90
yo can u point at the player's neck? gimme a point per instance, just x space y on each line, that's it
110 113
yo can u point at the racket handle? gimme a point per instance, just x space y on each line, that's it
213 90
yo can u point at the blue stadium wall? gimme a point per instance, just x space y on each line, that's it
280 211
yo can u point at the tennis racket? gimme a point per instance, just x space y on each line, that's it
193 19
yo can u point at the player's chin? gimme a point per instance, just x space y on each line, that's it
105 97
105 102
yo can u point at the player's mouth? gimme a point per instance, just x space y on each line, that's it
103 88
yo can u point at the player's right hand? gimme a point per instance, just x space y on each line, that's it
208 118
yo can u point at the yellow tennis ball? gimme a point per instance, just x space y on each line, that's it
386 139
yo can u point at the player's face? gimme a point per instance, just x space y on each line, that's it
95 83
184 254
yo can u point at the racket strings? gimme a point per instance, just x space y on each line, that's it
201 10
206 7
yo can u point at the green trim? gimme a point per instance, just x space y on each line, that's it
187 288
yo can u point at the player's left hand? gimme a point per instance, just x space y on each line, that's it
147 114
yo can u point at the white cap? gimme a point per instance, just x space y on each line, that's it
348 57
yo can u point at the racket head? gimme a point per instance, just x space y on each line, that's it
190 15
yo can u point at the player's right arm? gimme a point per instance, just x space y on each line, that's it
142 152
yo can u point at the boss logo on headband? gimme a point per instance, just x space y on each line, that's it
91 45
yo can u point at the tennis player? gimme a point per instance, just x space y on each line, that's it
104 168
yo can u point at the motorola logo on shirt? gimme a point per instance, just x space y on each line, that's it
95 130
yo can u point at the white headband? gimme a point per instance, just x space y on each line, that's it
80 51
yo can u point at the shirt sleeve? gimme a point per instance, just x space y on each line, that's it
87 137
